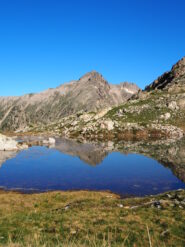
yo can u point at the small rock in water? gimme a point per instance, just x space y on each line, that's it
9 144
52 140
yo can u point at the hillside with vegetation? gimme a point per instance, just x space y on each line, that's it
157 111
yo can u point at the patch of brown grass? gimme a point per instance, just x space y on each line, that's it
88 219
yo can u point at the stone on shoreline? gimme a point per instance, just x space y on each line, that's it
50 141
9 144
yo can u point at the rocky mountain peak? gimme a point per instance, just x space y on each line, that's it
93 76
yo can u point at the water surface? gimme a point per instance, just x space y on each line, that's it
75 166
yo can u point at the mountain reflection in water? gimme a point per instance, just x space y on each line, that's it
137 168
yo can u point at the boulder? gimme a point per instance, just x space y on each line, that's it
181 104
109 124
173 105
8 144
50 141
166 116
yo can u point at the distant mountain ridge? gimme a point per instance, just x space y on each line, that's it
90 93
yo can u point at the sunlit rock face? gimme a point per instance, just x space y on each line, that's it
8 144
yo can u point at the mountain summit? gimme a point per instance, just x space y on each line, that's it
90 93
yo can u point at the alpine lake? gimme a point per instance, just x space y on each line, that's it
127 168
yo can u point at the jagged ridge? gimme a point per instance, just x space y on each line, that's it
89 93
175 76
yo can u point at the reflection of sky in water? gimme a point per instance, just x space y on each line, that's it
39 168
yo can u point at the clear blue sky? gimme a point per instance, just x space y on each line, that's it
44 43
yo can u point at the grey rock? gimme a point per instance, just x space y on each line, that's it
173 105
181 103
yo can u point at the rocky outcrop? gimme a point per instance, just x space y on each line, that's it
90 93
49 141
9 144
168 79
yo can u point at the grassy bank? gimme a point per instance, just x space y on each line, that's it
91 219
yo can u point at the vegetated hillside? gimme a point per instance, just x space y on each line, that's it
90 93
157 111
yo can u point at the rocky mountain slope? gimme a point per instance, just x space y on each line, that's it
171 78
90 93
158 111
